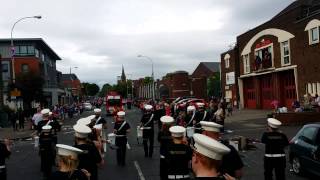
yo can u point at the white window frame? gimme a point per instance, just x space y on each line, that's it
311 41
282 53
227 62
272 53
246 63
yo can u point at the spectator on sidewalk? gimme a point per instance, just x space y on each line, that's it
14 120
21 118
37 117
4 153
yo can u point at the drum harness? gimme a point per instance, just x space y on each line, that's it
122 125
204 117
147 123
98 120
193 114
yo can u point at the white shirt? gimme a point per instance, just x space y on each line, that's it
37 118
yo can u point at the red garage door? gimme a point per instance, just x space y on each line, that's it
266 91
249 93
288 88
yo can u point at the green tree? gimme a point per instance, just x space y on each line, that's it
31 86
91 89
147 80
105 89
213 85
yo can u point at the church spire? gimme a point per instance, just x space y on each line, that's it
123 75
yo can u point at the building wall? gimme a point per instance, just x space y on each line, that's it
233 67
302 54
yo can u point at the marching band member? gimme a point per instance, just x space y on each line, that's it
67 160
147 124
90 158
164 138
121 129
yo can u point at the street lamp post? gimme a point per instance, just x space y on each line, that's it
12 45
153 93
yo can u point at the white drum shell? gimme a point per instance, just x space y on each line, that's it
112 138
190 131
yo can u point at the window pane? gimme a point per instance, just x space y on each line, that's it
37 52
286 50
315 34
24 68
30 50
309 133
286 60
23 50
5 68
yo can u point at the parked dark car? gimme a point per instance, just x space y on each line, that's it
304 150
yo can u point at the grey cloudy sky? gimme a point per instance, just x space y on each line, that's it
98 36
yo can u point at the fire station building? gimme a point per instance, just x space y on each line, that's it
280 59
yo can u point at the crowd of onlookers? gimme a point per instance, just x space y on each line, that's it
309 104
19 117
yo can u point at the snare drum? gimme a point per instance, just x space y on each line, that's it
190 132
139 132
112 138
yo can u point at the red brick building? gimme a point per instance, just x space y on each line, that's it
205 80
278 59
71 81
31 55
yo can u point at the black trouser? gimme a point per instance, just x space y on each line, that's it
148 135
276 163
121 143
3 174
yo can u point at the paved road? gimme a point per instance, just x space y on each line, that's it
25 162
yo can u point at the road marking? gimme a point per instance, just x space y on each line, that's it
139 170
128 146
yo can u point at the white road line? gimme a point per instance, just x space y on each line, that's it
128 146
139 170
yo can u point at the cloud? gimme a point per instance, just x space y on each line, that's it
101 36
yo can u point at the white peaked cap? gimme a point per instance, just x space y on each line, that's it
209 147
81 131
177 131
45 111
274 123
98 126
200 104
91 117
84 121
46 128
210 126
191 108
97 110
148 107
121 113
65 150
167 119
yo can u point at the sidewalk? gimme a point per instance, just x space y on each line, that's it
15 135
247 114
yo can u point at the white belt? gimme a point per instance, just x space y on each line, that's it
146 127
274 155
2 167
178 176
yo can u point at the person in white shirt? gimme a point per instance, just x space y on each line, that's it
37 117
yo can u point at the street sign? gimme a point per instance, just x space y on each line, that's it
15 92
